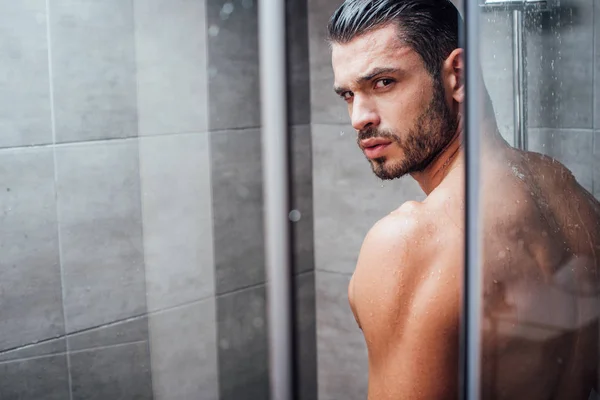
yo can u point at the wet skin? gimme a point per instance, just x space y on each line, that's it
540 236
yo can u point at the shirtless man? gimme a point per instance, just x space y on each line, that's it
398 66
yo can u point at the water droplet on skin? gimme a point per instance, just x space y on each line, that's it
544 233
495 281
501 254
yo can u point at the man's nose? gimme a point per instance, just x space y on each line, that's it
364 114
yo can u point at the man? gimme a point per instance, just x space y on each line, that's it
398 66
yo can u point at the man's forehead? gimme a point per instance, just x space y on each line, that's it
373 49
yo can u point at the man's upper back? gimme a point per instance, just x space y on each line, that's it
540 237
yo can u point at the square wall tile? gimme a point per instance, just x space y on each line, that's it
131 330
170 42
24 77
40 378
101 232
183 348
341 349
306 335
572 147
233 75
45 348
93 66
237 209
242 341
496 65
30 287
348 197
298 62
177 219
302 199
326 105
117 373
559 65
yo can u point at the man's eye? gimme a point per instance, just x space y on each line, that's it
383 82
346 96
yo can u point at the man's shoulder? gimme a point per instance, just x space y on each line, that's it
416 225
407 238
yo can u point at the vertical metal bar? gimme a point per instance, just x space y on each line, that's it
470 355
271 18
520 134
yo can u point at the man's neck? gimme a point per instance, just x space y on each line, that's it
451 158
440 167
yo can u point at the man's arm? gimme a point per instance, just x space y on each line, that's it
405 294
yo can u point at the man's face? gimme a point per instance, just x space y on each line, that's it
400 112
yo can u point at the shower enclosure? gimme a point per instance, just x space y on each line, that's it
136 177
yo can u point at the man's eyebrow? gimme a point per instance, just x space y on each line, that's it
375 72
367 77
339 90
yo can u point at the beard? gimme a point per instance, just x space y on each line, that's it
432 132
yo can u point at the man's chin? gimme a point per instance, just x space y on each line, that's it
387 172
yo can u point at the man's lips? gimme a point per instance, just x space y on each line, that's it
374 147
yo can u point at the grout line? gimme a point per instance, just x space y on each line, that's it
61 353
132 138
347 274
29 345
108 325
110 346
128 138
240 289
58 219
67 353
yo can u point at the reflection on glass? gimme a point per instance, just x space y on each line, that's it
541 220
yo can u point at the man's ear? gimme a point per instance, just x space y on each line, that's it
453 75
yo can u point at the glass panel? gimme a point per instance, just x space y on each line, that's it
540 211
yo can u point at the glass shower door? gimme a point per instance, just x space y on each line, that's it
538 237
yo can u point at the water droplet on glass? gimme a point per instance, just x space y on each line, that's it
213 30
247 3
224 344
226 11
295 215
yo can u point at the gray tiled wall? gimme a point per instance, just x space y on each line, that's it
341 351
170 45
106 237
31 285
93 69
101 232
177 219
184 352
237 201
25 95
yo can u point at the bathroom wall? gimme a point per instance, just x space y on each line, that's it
564 85
131 197
107 223
235 145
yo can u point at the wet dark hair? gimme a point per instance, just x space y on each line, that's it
430 27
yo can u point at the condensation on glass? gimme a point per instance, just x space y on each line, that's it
540 211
